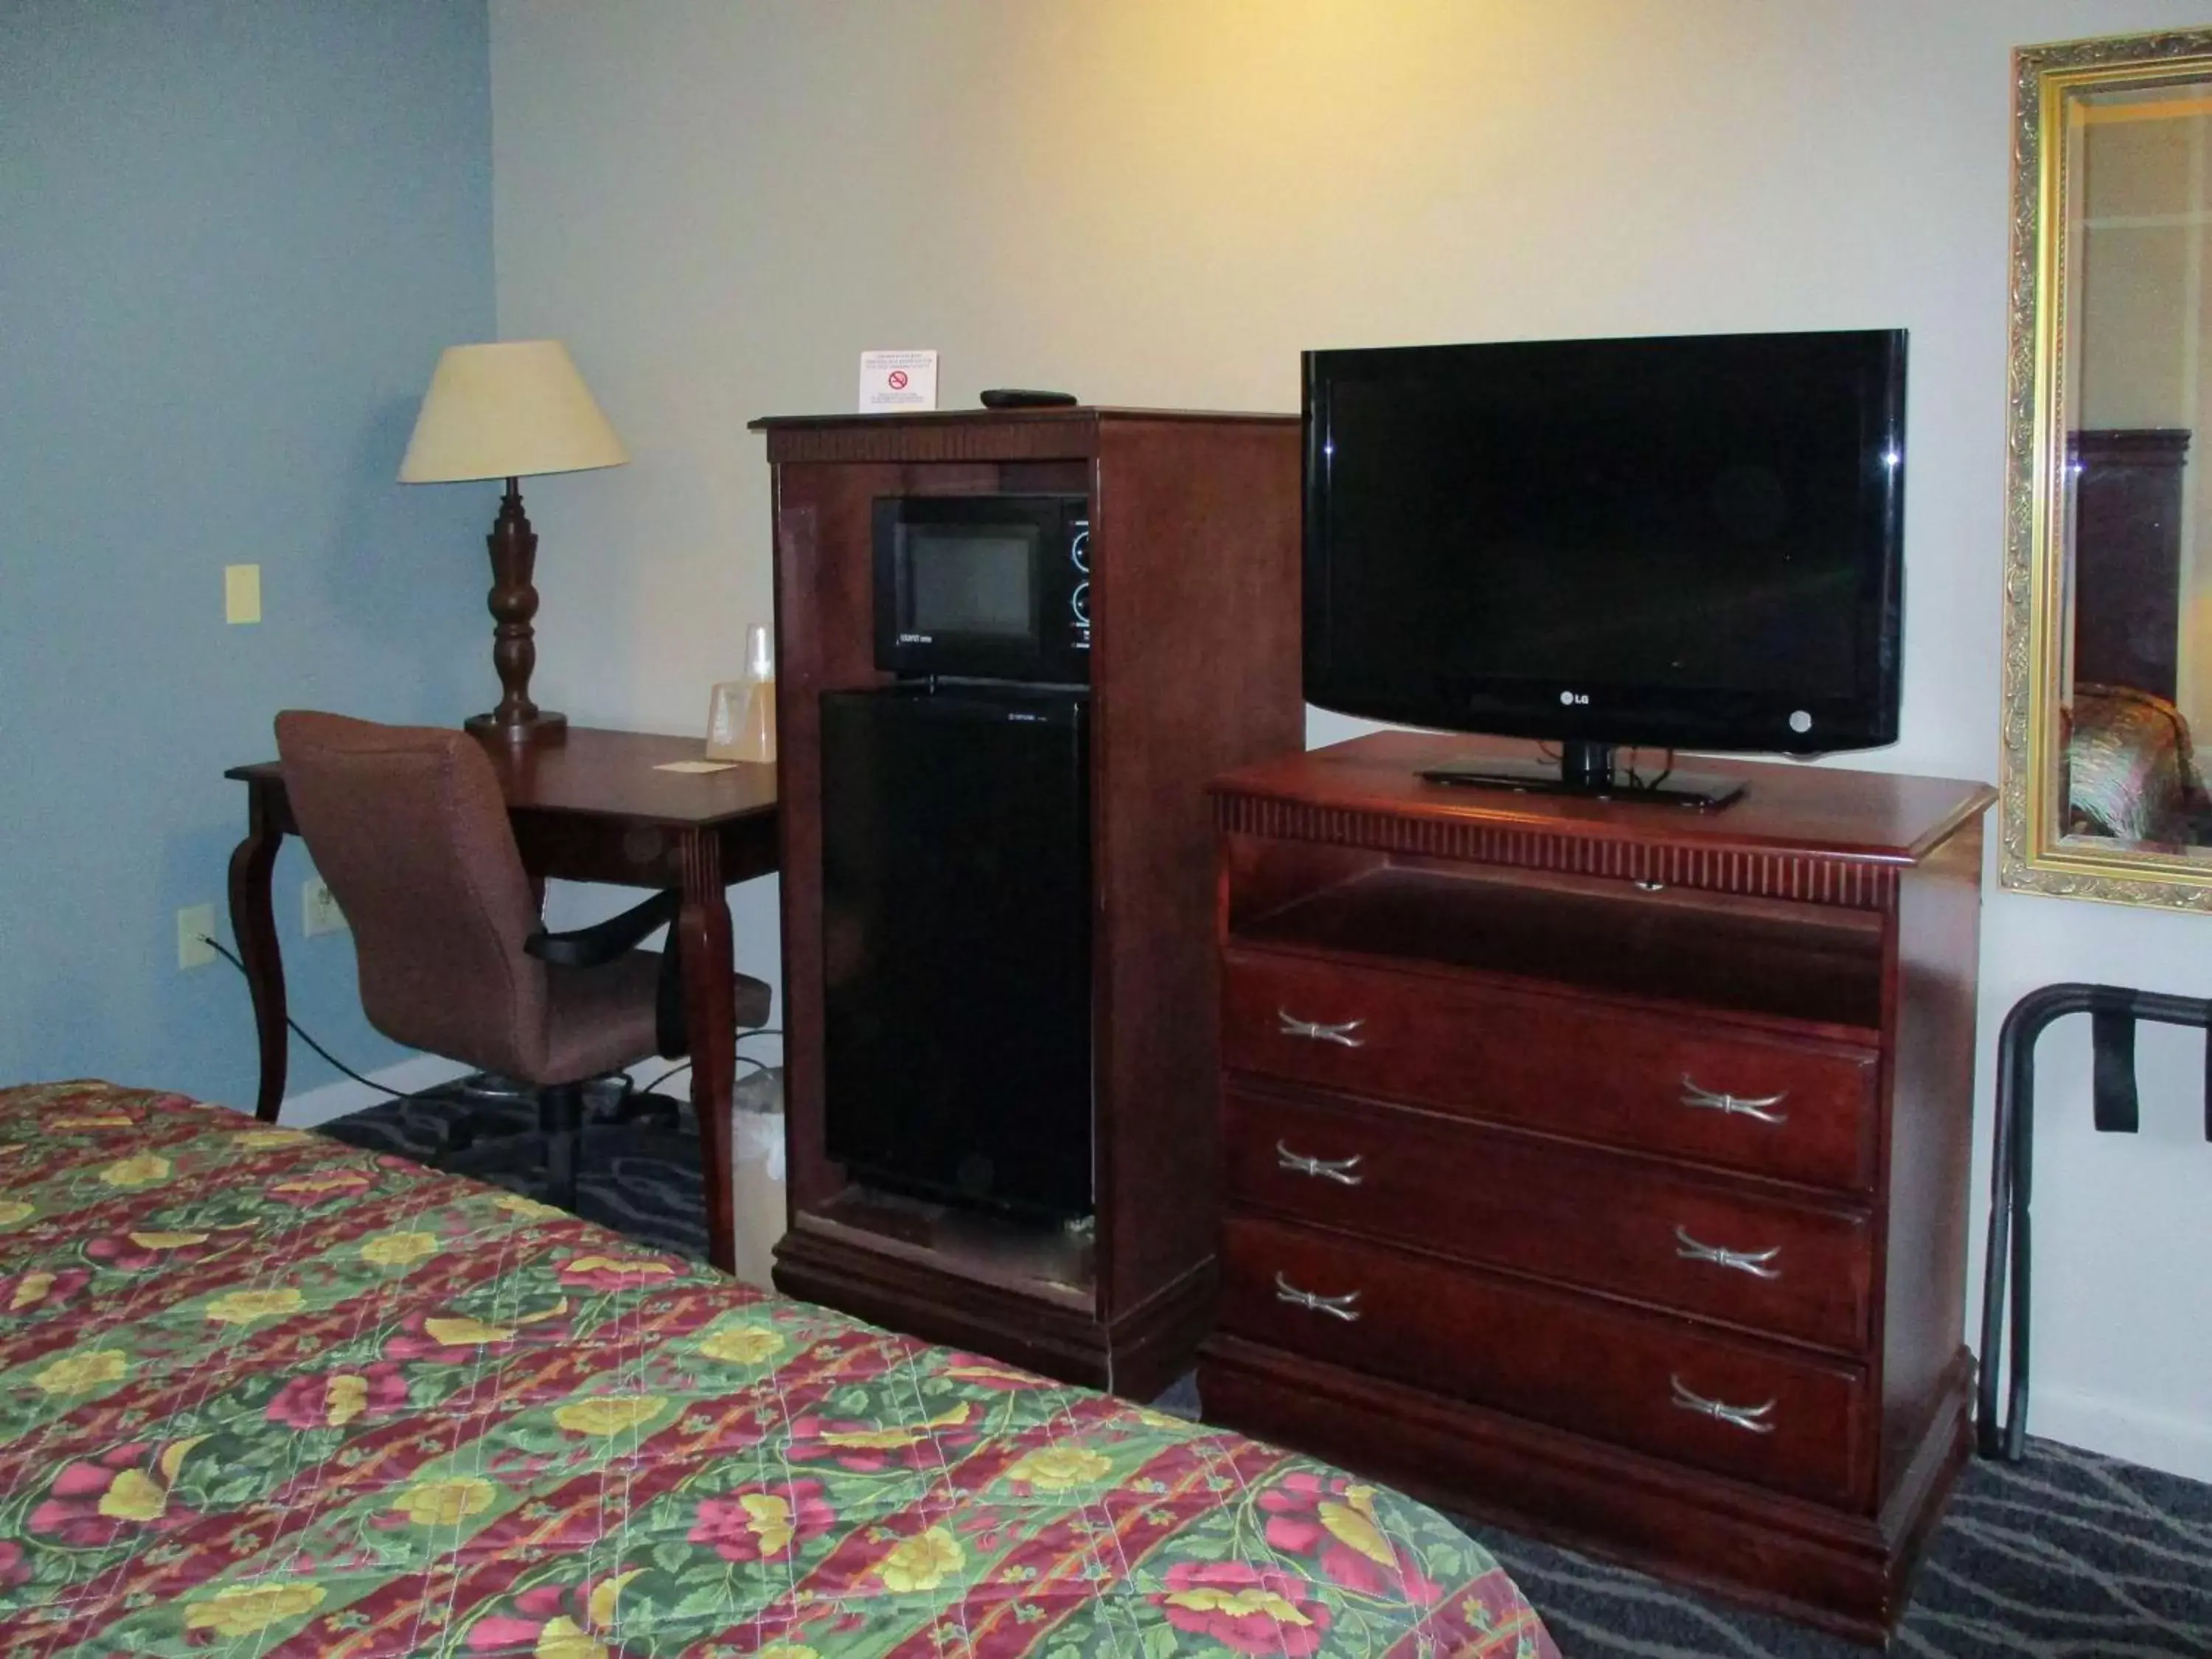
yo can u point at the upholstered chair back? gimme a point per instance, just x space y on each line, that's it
408 826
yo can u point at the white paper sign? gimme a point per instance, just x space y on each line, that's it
892 380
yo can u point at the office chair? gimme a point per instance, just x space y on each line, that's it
408 827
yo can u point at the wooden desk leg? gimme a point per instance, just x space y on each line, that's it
710 1022
253 925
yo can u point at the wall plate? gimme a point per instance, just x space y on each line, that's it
318 911
195 926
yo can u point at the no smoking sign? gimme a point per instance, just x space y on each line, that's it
895 381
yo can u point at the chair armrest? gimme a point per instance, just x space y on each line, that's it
602 942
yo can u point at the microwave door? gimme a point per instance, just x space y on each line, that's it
972 589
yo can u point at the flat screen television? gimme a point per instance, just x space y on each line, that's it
1684 542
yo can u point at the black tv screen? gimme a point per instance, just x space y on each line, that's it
1688 541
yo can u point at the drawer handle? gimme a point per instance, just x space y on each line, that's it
1338 1168
1754 1262
1695 1094
1293 1026
1753 1417
1340 1306
1649 886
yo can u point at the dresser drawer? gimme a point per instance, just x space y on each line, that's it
1785 1421
1592 1219
1794 1108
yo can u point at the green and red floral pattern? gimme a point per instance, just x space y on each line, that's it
264 1393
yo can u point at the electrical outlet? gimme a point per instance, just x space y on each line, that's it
318 911
195 926
242 592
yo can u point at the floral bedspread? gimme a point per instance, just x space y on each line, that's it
264 1393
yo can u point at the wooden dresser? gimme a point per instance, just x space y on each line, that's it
1600 1168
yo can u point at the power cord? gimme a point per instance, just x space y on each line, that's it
1637 782
299 1031
679 1069
753 1032
628 1087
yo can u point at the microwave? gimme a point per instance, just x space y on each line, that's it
993 587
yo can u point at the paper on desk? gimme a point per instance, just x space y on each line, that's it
695 766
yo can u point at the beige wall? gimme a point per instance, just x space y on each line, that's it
719 203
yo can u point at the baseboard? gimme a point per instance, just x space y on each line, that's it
2179 1445
334 1100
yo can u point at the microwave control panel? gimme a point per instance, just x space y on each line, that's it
1078 597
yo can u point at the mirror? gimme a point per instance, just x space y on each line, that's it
2107 764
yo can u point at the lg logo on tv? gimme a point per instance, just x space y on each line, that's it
1575 699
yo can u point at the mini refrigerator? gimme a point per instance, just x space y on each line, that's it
956 944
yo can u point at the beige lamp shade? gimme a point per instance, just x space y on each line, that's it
509 410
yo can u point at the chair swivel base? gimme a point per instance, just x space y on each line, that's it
557 1158
561 1141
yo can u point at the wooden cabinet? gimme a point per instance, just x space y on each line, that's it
1194 668
1600 1167
2127 580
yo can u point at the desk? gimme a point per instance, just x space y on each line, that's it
586 807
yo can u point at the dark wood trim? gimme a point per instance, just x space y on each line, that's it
927 1302
253 925
939 437
1151 1345
1370 791
1138 1356
1807 879
1929 1150
702 936
1195 670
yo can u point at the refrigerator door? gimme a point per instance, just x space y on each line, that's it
957 947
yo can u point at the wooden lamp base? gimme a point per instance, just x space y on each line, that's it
542 724
513 603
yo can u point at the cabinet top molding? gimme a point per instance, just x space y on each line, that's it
1065 432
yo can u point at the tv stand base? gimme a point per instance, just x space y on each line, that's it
1601 780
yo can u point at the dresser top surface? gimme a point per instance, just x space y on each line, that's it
1880 817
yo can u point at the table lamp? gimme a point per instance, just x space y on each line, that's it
510 409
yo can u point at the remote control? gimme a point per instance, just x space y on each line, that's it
1014 397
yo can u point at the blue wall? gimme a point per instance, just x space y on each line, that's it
235 235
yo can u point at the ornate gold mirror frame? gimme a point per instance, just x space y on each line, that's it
2108 534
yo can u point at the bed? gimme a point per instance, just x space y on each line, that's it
265 1394
2131 769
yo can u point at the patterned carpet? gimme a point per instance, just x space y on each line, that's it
651 1192
2068 1556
